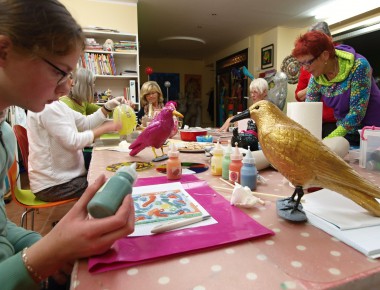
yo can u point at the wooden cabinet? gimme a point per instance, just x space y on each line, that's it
117 69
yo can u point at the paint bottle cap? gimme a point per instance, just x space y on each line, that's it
131 170
229 149
218 150
236 155
248 158
173 151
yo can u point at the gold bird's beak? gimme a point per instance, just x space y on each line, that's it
177 114
243 115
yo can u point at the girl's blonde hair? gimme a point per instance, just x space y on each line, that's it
148 88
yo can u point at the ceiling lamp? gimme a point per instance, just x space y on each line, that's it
181 42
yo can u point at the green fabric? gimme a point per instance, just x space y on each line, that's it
14 275
85 109
338 132
346 61
21 238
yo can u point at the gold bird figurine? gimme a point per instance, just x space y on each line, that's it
305 161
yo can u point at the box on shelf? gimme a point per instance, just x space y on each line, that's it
370 148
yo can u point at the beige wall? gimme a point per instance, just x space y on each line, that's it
115 15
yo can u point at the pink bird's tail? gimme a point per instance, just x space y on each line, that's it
136 148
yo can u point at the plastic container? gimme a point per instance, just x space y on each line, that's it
235 165
226 161
248 173
191 134
173 166
370 148
207 138
110 196
216 160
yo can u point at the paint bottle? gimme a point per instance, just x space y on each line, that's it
248 173
216 160
173 166
226 161
111 195
235 165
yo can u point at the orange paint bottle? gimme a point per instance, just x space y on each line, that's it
173 166
235 165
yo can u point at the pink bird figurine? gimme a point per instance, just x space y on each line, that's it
157 132
175 127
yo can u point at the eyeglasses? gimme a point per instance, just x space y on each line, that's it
65 75
309 62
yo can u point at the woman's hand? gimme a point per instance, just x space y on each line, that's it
301 95
76 236
225 126
113 103
106 127
130 103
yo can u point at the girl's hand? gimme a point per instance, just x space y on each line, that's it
77 236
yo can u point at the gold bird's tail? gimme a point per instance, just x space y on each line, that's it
346 181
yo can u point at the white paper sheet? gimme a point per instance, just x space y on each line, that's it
345 220
338 210
145 229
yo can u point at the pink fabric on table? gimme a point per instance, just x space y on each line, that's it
233 226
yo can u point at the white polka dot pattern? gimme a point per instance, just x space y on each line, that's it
298 256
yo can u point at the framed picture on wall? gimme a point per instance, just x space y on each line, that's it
267 56
171 92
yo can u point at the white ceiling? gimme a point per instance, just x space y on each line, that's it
219 23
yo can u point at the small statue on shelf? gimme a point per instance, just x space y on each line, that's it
108 45
104 96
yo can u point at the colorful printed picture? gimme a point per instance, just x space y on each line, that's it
165 205
140 166
267 56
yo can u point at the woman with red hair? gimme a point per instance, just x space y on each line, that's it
328 119
343 80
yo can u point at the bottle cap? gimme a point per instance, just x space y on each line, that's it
173 151
236 155
218 150
229 149
131 170
248 158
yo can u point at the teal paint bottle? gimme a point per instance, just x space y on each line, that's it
111 195
248 173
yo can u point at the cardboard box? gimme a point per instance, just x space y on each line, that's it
370 148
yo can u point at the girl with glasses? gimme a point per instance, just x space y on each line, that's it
32 32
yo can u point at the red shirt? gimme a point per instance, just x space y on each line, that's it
303 81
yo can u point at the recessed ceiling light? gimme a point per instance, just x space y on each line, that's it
195 39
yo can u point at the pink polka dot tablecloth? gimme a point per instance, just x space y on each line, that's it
298 256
